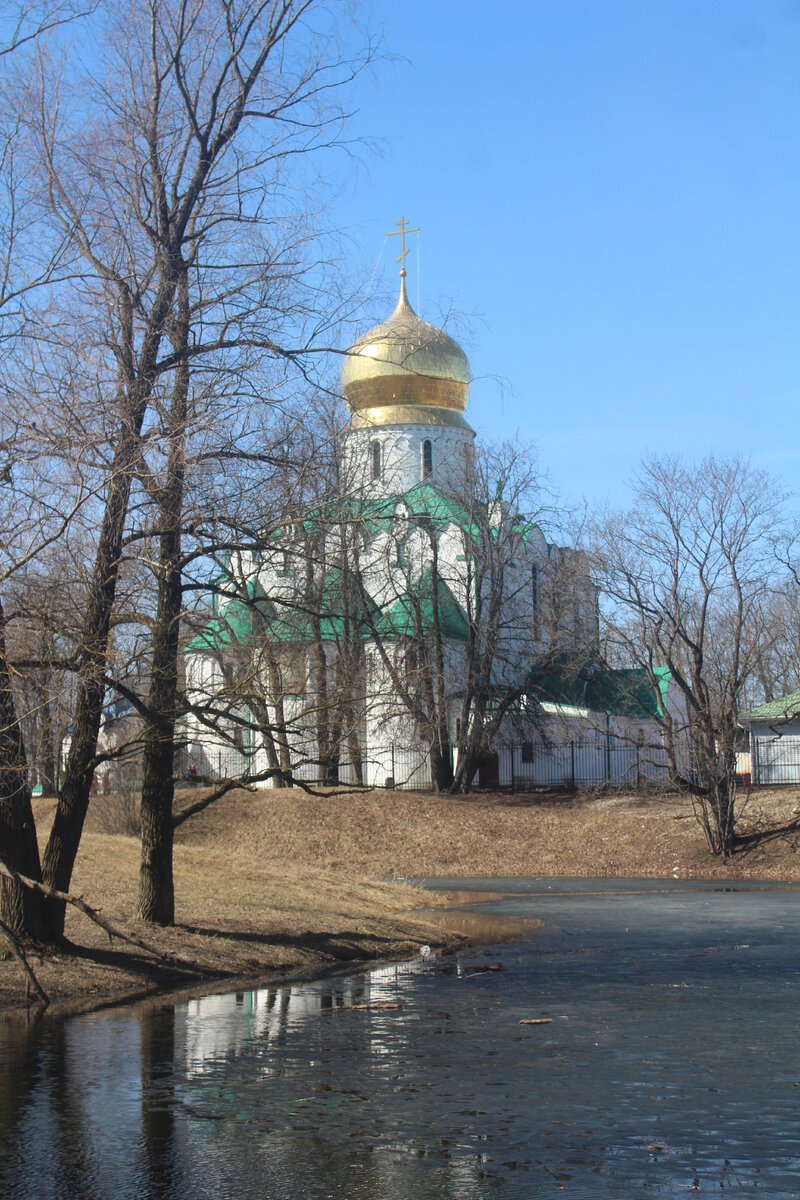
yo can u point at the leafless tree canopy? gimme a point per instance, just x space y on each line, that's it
690 576
178 285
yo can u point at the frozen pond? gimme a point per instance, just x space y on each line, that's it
670 1066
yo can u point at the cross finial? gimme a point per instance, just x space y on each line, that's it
402 231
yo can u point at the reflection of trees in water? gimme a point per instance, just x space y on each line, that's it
47 1129
19 1038
225 1027
271 1090
20 1077
158 1099
319 1092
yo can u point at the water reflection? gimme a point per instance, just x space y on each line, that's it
670 1065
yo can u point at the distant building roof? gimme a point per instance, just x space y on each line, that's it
237 622
787 708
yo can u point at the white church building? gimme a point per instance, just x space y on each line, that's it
348 649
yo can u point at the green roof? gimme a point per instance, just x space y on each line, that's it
378 513
237 622
412 616
292 622
784 709
624 693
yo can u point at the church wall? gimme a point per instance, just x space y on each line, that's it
393 745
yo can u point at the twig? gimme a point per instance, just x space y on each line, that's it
366 1008
19 955
538 1021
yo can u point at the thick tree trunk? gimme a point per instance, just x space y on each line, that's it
21 909
274 738
156 900
469 759
156 885
441 763
327 747
354 749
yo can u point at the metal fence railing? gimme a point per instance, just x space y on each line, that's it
572 764
587 762
775 760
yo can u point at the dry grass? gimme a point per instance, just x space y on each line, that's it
279 881
396 835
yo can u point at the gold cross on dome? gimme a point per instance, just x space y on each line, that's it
402 231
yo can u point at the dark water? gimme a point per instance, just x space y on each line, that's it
671 1067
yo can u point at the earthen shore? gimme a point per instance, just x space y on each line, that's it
274 885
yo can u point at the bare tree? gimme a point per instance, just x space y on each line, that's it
776 668
689 573
163 178
287 662
31 516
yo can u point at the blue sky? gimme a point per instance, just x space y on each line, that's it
609 200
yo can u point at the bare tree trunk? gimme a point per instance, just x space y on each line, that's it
441 765
65 835
327 746
441 755
156 901
48 749
22 910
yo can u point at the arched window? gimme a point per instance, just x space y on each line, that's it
427 458
375 450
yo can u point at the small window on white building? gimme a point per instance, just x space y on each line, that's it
427 458
375 460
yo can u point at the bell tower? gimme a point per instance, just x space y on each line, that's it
407 384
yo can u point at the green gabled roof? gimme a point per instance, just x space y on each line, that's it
293 622
413 616
524 529
624 693
628 693
786 708
423 500
426 500
238 622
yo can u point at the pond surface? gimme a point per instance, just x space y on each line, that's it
670 1066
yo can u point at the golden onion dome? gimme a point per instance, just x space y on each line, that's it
406 371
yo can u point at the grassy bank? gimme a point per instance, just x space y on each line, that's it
277 882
